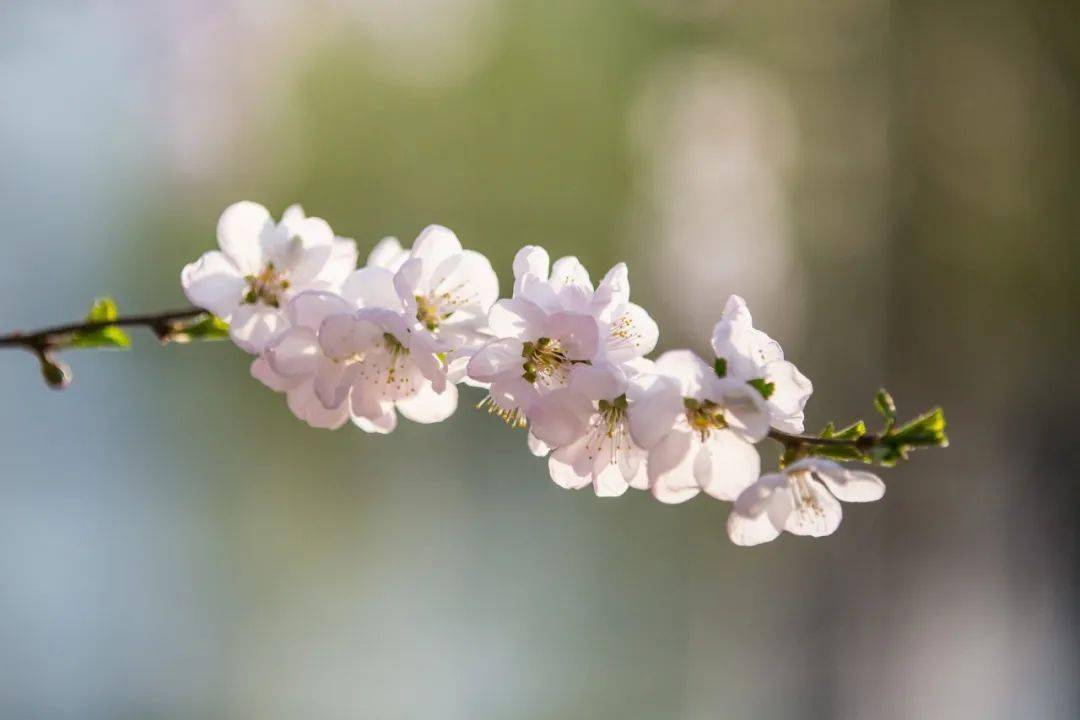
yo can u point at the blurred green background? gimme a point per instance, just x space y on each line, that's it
892 186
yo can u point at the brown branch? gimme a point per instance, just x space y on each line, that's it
39 341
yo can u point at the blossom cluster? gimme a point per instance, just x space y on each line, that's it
562 357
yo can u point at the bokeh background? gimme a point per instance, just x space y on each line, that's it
892 185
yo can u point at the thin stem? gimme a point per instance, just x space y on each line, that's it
862 442
38 341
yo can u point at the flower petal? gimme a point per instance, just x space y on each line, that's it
239 231
294 352
388 254
816 512
686 367
371 287
214 283
760 512
253 326
516 318
846 485
309 309
632 334
670 467
655 405
428 406
576 332
494 359
734 465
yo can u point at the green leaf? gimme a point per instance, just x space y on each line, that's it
839 452
103 310
884 403
927 430
854 431
206 328
764 387
720 366
106 337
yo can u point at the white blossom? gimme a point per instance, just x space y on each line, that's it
699 429
803 500
261 265
555 323
586 425
750 354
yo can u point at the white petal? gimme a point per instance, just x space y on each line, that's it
343 259
846 485
686 367
818 514
371 287
571 282
577 333
560 417
633 333
424 355
261 371
309 309
333 381
253 326
791 391
569 466
760 512
388 254
344 336
670 467
655 405
239 231
428 406
434 245
494 359
603 381
306 406
372 414
214 283
613 292
517 318
609 482
734 465
745 410
294 352
537 446
530 260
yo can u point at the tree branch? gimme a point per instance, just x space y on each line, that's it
38 341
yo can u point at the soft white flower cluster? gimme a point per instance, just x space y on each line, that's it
562 357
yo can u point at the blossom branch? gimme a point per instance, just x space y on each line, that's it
163 325
102 329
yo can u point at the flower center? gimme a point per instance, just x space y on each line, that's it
805 500
429 312
704 416
266 287
609 427
544 359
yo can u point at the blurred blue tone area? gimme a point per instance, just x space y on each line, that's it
890 185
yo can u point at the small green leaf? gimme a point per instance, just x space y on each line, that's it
103 310
854 431
208 328
106 337
839 452
926 430
720 366
764 387
884 403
